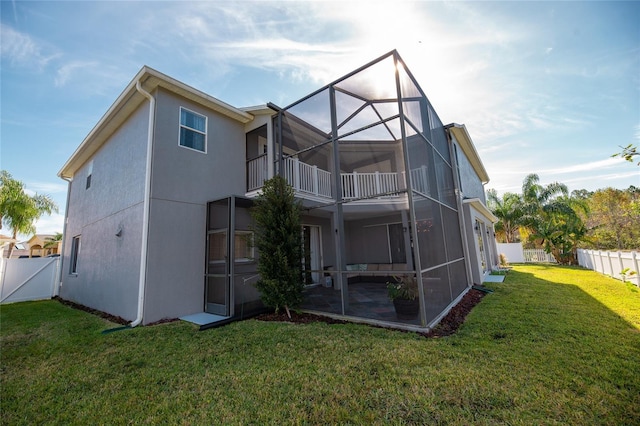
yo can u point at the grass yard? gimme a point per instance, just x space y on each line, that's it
551 345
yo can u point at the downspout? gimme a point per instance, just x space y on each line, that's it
64 235
147 203
465 242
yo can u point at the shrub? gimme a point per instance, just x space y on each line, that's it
277 217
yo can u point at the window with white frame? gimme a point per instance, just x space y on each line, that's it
75 250
193 130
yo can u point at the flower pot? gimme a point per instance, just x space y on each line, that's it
407 309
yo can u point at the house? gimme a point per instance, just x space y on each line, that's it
42 245
158 223
39 245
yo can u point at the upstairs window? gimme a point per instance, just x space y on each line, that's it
193 130
89 173
75 250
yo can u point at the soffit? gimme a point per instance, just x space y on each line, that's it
466 144
481 208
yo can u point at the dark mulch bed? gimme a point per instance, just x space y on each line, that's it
448 326
298 318
456 316
108 317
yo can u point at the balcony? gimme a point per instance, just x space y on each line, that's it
310 180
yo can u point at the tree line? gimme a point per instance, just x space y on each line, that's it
551 218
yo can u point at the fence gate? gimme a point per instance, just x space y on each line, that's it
28 279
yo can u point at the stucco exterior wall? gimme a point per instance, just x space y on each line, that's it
183 181
470 217
470 183
108 265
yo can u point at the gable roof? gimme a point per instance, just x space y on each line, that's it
6 239
38 239
129 100
464 140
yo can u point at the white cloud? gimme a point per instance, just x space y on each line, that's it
47 187
591 166
50 224
22 50
65 72
612 176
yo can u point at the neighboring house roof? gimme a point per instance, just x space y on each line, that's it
129 100
36 242
39 239
465 142
5 239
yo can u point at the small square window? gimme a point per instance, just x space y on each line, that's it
193 130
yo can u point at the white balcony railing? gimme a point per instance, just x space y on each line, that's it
420 180
257 172
308 179
303 177
366 185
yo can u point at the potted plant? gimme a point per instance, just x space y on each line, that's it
404 295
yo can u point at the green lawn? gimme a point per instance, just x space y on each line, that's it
551 345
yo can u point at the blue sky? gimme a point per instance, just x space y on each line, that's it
551 88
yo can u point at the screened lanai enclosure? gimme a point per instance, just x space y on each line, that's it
369 159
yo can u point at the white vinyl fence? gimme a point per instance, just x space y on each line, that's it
28 279
537 256
611 263
513 251
516 254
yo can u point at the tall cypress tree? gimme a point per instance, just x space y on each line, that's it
277 216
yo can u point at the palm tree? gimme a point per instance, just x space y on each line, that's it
508 210
552 217
535 195
18 210
52 242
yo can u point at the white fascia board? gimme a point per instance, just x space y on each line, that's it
127 103
159 79
464 140
258 110
477 204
